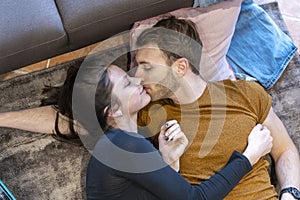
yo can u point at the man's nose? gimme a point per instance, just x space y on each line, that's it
138 72
136 80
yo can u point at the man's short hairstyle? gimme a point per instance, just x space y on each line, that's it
181 42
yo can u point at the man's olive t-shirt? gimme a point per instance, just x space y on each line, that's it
218 123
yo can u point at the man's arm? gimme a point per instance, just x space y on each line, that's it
285 154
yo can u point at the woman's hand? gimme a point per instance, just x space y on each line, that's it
172 142
259 143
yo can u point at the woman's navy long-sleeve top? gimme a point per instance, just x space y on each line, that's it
126 166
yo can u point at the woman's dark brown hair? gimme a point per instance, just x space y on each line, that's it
104 100
61 97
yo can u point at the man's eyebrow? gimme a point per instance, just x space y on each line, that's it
143 62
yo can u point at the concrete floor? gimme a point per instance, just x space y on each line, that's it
289 9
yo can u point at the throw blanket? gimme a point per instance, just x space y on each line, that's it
259 50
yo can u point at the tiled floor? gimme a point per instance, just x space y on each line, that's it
109 43
289 9
291 15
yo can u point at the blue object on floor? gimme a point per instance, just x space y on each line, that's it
5 194
259 49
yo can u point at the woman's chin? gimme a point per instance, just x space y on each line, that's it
145 101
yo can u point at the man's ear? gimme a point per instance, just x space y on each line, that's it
181 66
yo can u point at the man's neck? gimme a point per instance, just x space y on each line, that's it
191 89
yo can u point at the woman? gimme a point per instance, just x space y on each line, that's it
111 176
117 169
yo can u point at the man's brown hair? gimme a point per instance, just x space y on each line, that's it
182 41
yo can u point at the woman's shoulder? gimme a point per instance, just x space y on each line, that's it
125 151
128 141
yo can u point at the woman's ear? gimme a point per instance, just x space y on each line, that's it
181 66
117 113
113 112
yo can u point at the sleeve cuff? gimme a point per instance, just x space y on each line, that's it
244 159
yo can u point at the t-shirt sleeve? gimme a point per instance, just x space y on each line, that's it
259 99
165 183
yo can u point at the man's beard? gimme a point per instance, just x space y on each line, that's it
166 88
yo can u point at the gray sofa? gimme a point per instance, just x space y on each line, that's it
34 30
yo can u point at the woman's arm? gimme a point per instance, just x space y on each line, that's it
40 119
165 183
172 143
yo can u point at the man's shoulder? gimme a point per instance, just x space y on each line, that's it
240 90
236 82
239 84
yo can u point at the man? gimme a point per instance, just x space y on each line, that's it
215 116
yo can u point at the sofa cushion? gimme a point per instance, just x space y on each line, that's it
30 31
87 22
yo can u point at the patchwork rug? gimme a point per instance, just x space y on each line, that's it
36 166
